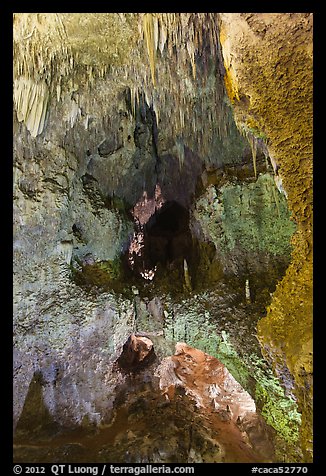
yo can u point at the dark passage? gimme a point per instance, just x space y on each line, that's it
167 235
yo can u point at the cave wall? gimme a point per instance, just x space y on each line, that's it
268 61
249 224
87 118
83 119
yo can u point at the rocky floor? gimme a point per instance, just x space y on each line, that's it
184 408
151 401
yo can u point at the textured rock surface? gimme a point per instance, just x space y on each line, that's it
268 57
93 141
52 49
183 408
249 224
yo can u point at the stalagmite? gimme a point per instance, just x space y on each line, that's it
247 291
187 275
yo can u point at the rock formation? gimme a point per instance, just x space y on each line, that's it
162 174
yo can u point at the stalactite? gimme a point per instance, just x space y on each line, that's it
137 99
276 201
86 122
31 101
74 113
156 111
182 38
155 32
253 145
180 152
148 25
147 97
58 91
162 36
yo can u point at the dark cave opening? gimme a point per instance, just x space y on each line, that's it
163 247
167 235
